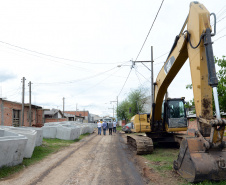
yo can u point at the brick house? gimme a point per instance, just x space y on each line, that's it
11 114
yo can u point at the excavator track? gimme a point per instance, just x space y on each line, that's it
142 144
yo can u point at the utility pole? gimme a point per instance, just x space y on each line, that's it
29 84
63 107
152 84
116 107
113 110
23 81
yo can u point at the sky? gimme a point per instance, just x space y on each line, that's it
73 48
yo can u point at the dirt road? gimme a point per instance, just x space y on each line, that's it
94 160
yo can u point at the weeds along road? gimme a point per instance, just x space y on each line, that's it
97 159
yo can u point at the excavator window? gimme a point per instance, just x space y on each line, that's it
176 109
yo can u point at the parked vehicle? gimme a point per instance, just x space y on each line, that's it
127 128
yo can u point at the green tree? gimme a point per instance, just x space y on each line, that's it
132 105
137 98
123 110
221 88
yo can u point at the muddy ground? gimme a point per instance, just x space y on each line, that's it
97 159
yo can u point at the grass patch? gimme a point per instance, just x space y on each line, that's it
48 147
119 128
162 159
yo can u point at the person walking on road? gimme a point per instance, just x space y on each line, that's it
104 127
114 126
110 126
99 127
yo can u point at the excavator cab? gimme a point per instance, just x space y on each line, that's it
174 115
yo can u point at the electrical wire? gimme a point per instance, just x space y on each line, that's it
149 31
219 38
56 57
137 75
78 80
141 75
125 82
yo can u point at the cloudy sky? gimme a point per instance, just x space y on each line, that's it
72 49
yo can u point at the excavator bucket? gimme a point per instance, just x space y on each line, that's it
197 161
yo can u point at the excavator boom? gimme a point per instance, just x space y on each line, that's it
202 157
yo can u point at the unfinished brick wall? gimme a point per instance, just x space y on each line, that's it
48 120
6 113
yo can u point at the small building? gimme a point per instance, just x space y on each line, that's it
11 114
81 115
53 115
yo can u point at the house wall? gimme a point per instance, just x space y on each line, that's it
48 120
6 113
39 118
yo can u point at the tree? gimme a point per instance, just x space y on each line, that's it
123 110
137 98
221 88
132 105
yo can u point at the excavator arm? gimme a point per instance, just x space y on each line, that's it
201 157
193 44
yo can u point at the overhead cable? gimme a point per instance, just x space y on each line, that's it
47 55
149 31
125 81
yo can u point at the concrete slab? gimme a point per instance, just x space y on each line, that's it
12 148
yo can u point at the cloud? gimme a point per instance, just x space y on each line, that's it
4 76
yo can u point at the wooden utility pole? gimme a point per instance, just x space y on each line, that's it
116 108
152 84
29 103
23 87
63 107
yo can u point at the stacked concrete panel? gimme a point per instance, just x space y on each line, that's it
12 148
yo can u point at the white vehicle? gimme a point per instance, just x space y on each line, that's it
107 120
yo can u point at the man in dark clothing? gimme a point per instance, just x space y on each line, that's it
110 126
104 127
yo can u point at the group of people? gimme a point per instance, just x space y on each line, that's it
110 125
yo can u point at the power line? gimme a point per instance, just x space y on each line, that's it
219 38
221 19
137 75
149 31
125 81
142 75
47 55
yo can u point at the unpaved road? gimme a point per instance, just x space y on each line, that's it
94 160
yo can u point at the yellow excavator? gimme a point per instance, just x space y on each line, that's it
202 156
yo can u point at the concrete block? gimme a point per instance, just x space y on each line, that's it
39 136
31 136
67 133
49 131
12 148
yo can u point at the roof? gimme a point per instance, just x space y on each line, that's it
51 112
